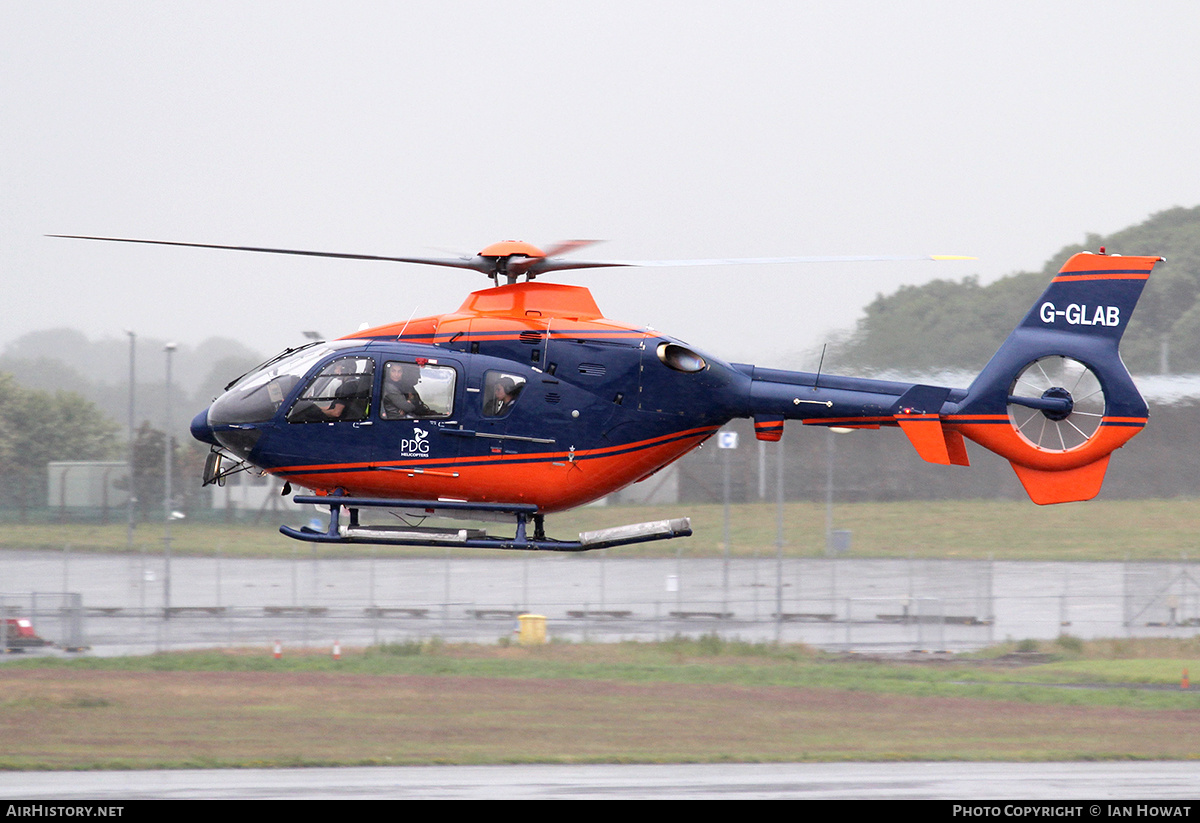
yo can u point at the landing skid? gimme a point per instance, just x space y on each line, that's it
521 513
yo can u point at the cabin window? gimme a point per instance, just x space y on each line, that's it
414 390
341 392
500 392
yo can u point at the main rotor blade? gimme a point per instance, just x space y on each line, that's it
568 246
475 263
535 266
558 265
735 261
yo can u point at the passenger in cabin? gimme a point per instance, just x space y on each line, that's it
400 396
504 394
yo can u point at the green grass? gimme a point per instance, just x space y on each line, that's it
684 700
1006 530
711 660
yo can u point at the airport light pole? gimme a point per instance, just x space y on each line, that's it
167 492
727 441
830 452
779 496
129 449
130 452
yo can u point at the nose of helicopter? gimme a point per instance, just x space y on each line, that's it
202 431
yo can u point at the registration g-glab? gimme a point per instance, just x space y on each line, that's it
1077 315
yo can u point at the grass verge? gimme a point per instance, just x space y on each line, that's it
703 700
973 529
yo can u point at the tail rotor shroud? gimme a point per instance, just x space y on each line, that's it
1056 404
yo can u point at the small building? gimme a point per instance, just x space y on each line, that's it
89 484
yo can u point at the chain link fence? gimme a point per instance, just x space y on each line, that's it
135 604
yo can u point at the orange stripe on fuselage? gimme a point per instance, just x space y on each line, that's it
702 432
551 480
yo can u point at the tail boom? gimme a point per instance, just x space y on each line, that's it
1055 400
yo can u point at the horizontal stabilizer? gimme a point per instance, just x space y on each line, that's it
932 441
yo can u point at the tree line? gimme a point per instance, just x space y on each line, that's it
39 427
62 394
947 324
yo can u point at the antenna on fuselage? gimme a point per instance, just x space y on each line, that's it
406 322
820 365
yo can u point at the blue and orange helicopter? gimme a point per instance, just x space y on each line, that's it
527 401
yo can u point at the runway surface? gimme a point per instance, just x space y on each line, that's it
1051 782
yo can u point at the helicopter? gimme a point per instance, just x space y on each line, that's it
528 401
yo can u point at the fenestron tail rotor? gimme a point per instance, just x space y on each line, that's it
1056 404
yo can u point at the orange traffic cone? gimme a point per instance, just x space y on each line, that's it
337 650
1183 684
278 650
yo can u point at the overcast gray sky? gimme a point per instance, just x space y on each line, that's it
1002 129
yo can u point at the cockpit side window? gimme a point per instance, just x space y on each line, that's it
500 392
416 390
340 392
257 396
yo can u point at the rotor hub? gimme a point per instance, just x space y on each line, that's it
512 248
1058 393
512 259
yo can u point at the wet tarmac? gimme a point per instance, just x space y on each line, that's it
1083 787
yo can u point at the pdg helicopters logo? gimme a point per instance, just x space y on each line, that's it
417 445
